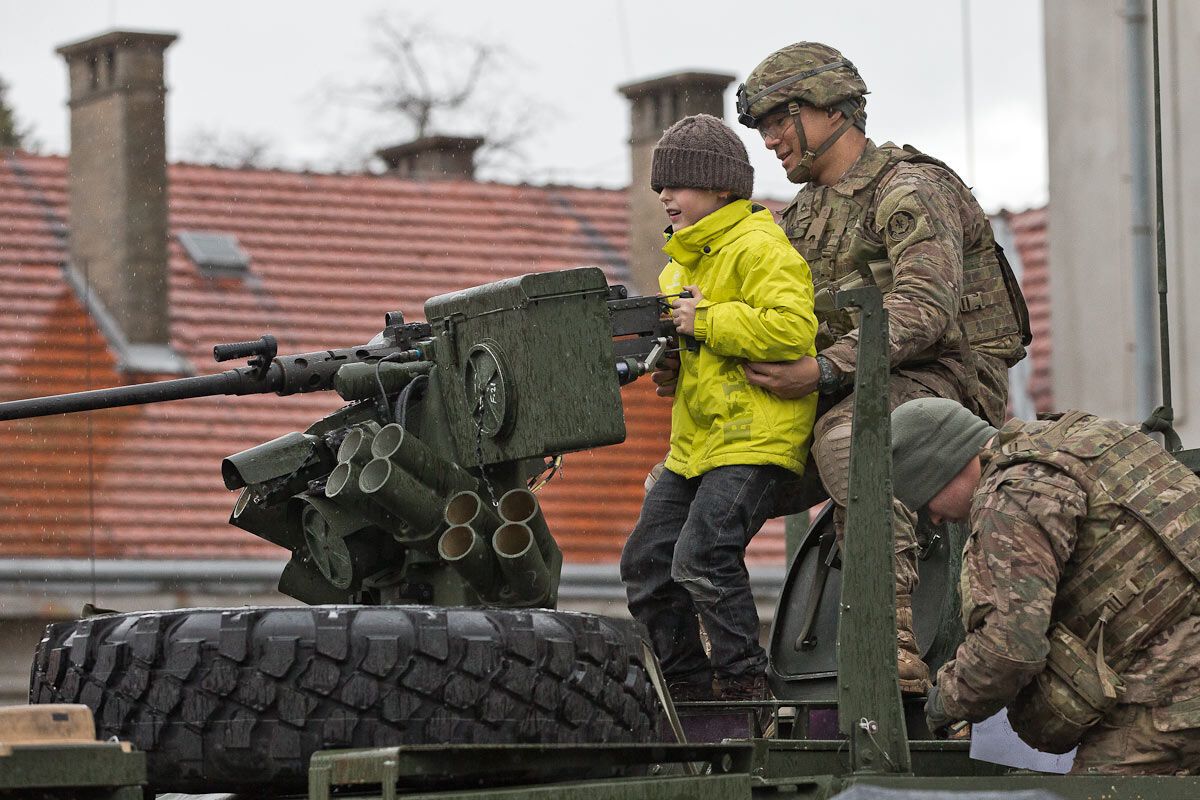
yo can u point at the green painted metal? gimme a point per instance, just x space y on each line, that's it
397 443
789 770
719 787
489 765
293 452
783 759
802 649
870 712
400 493
361 381
794 528
1190 459
101 770
532 364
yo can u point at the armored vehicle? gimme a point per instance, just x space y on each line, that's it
430 658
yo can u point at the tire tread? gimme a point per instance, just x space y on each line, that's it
233 699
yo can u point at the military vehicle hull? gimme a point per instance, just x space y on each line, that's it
503 702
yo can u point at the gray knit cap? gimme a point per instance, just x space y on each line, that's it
932 440
702 152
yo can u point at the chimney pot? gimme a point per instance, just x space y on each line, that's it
433 158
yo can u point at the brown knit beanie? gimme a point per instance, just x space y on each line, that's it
702 152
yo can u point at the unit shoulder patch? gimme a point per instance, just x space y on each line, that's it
899 225
903 219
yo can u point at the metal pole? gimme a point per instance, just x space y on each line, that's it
1145 363
1160 221
968 88
1162 419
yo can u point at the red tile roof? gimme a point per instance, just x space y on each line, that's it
330 254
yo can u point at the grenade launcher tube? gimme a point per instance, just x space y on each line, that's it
469 554
389 485
405 450
521 562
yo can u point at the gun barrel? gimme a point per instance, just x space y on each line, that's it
291 374
232 381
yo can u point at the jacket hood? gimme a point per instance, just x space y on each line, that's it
710 234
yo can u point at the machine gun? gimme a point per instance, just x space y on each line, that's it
417 490
644 333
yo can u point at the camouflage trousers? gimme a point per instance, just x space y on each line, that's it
1131 741
831 454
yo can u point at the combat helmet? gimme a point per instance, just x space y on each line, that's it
804 73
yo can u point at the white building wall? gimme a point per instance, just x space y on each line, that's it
1090 220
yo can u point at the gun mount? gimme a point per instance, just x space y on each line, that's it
417 489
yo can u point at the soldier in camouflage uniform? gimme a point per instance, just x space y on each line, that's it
1080 582
899 219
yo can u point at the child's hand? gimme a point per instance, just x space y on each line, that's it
684 313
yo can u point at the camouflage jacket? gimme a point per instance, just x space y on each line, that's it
1043 540
920 217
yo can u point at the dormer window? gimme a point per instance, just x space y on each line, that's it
215 253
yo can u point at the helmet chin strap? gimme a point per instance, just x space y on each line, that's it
802 172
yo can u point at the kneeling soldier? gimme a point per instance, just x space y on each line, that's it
1080 582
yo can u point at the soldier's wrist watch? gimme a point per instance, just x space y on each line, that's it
830 377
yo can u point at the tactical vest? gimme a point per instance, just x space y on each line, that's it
1133 574
836 235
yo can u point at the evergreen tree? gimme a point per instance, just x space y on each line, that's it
11 135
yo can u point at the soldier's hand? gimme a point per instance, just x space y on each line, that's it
935 716
665 376
787 379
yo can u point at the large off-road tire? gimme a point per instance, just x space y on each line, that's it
240 698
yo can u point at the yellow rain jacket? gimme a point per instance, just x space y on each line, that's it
757 306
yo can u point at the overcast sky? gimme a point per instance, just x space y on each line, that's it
271 69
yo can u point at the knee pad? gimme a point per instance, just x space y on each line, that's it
831 452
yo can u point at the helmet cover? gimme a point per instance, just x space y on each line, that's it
811 73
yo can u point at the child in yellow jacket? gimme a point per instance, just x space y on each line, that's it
732 444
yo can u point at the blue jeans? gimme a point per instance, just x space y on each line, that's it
687 557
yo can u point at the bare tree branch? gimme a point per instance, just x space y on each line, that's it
435 82
235 149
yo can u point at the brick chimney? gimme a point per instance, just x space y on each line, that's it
118 186
433 158
656 105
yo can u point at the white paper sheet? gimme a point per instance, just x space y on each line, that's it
995 741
